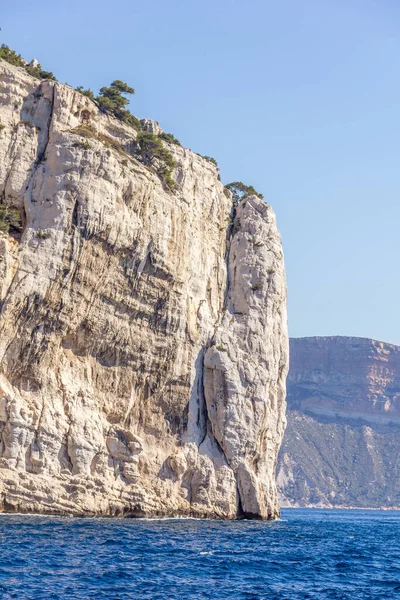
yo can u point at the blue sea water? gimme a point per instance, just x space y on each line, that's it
318 554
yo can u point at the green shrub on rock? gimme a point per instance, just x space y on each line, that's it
168 137
88 93
43 235
33 68
83 145
209 159
11 56
39 73
165 175
150 148
111 101
10 219
241 191
151 152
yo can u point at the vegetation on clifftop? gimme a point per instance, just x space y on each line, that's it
112 101
210 159
39 73
240 191
88 93
168 137
11 56
149 150
35 70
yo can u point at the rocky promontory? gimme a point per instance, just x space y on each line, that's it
143 343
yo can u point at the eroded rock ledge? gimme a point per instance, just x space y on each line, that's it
143 344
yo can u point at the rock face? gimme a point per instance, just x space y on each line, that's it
342 440
143 345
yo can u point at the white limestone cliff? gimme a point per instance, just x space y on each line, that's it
143 342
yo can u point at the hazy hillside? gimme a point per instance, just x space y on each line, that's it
341 446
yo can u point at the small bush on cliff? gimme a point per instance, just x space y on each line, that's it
84 92
168 137
209 159
39 73
85 131
11 56
83 145
241 191
165 175
151 152
16 59
112 101
10 219
151 148
43 235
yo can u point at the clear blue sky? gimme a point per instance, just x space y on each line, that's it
300 98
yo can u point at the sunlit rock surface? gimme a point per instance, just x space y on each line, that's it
143 344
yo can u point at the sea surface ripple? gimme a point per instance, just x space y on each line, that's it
316 554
